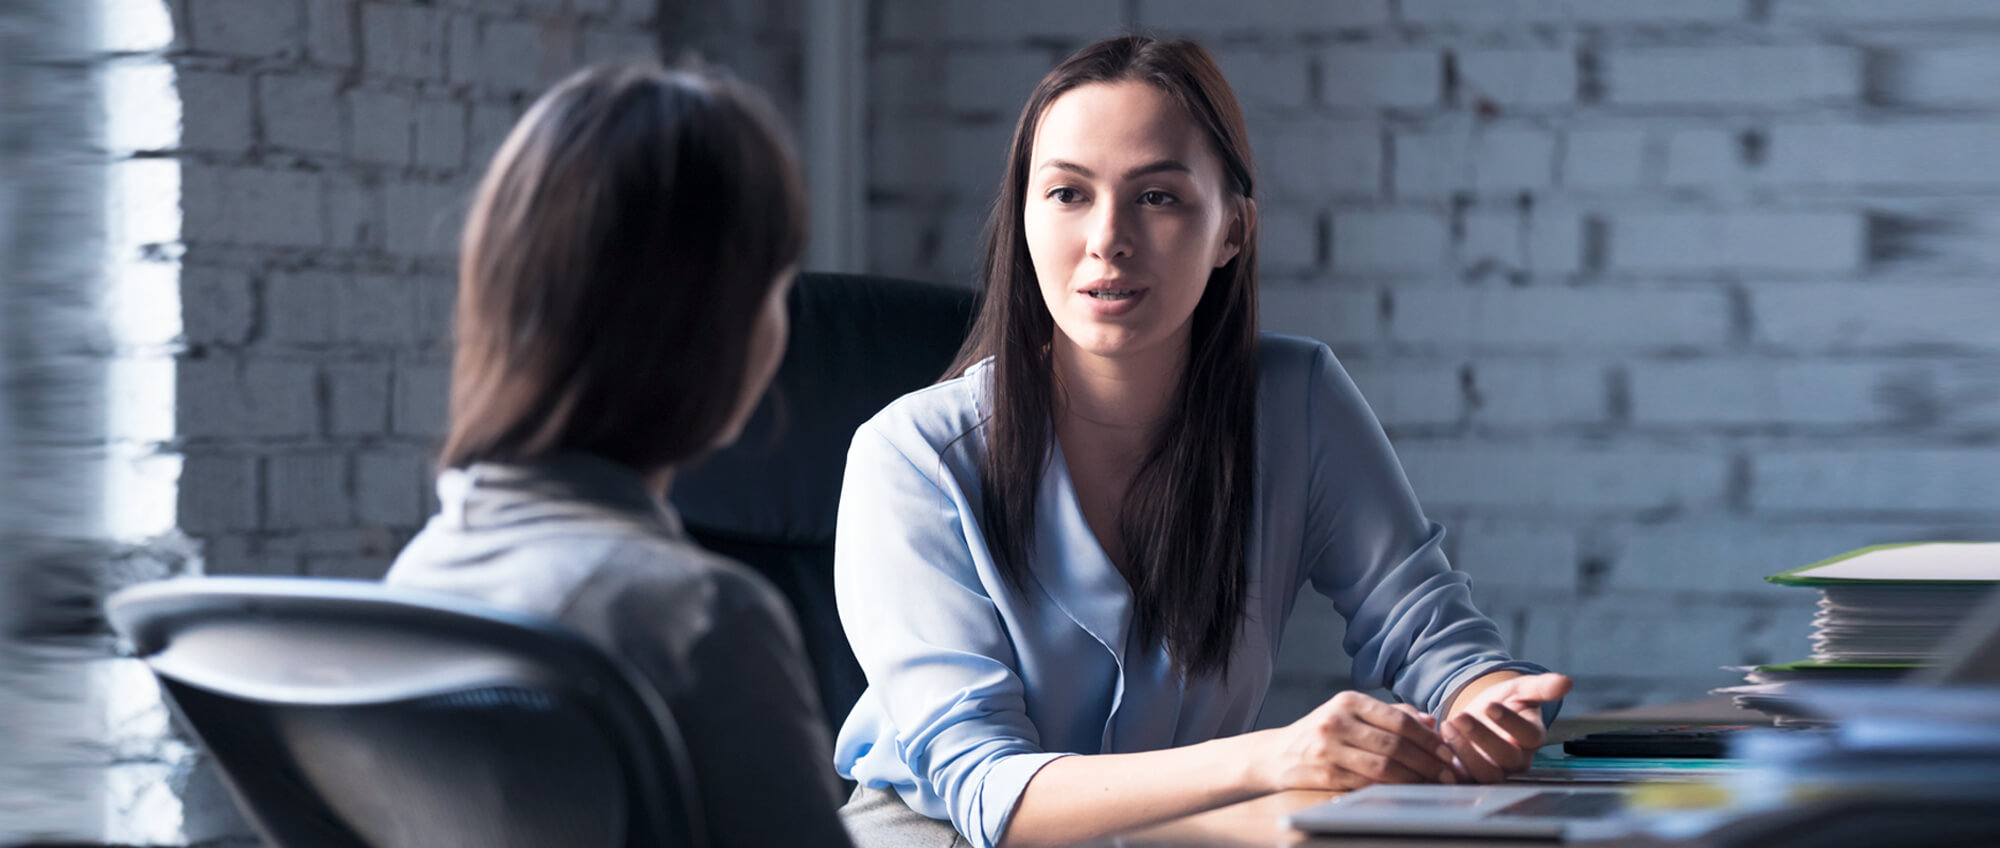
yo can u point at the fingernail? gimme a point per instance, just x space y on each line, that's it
1446 778
1444 753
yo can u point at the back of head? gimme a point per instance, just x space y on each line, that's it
615 260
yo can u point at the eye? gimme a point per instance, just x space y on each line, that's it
1064 195
1157 198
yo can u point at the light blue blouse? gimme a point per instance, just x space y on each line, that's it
974 685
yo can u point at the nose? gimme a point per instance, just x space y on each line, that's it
1109 236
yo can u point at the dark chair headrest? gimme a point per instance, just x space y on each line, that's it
857 344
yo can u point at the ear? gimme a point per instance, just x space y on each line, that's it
1241 230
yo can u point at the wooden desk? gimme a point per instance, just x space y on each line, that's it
1255 822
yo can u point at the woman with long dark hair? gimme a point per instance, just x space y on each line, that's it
621 308
1066 568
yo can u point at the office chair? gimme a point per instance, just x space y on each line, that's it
769 500
348 714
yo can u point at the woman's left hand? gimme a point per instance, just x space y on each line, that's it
1497 732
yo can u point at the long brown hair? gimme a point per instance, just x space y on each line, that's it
1185 520
614 263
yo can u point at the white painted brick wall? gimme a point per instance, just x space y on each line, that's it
1360 78
1263 80
1389 242
307 490
1319 158
402 40
1752 240
1484 161
993 83
1519 77
1411 393
1884 480
1515 555
1722 77
230 398
1261 16
1941 155
300 113
1075 20
1563 480
1557 320
251 206
1851 317
1540 392
1515 242
1762 393
1737 553
1337 317
1469 13
1604 158
250 28
1922 12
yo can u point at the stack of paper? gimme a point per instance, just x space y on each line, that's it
1904 765
1883 611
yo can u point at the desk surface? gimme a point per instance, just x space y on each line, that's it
1255 822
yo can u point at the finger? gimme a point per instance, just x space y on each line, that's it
1526 732
1428 720
1498 749
1400 722
1376 768
1433 763
1400 734
1475 764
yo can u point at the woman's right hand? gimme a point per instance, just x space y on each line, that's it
1352 741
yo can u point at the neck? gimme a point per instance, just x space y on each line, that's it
1132 392
661 481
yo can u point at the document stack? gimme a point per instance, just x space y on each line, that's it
1901 765
1883 612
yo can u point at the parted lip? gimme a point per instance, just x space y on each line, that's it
1114 284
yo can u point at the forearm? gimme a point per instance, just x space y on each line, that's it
1085 797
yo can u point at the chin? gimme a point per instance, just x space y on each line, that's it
1108 342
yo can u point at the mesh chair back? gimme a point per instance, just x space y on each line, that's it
344 713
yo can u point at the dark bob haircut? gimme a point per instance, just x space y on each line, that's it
614 263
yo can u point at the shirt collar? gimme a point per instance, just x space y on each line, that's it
487 494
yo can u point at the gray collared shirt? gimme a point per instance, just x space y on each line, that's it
584 541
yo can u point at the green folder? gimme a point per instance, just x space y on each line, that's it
1801 577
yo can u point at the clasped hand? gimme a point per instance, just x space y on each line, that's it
1353 740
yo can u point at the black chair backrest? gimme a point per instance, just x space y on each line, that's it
769 501
347 713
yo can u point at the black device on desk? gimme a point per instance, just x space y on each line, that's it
1672 742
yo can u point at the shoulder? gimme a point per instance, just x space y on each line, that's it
650 575
933 421
1301 384
1287 363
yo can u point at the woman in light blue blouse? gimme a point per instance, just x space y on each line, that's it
1066 570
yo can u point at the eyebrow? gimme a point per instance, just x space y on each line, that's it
1163 165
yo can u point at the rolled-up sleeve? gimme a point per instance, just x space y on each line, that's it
1411 624
921 618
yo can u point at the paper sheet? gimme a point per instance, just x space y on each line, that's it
1935 561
